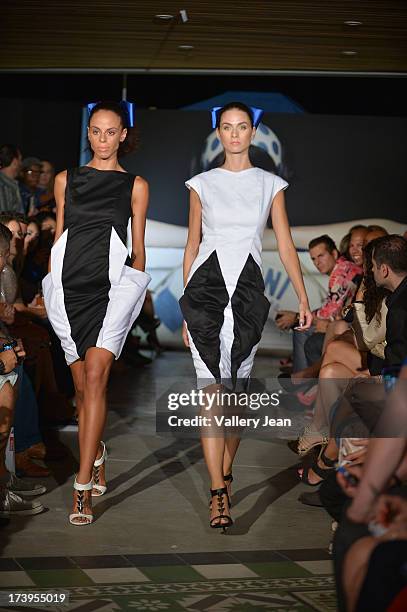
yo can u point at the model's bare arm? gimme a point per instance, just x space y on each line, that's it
289 257
139 204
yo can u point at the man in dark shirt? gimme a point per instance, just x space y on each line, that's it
390 271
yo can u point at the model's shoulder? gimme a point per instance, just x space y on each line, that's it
204 176
140 185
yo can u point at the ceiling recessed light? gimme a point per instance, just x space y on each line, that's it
349 52
164 17
352 23
185 47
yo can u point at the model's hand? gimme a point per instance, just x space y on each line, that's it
305 316
285 319
184 334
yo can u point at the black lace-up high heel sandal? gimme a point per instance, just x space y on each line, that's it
221 520
229 479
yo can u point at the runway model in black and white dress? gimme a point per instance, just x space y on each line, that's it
94 291
223 304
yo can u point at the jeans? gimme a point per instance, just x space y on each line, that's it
26 427
299 339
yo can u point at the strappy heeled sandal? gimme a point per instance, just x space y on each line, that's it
223 520
319 438
80 502
229 479
101 489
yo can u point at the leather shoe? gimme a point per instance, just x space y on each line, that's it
311 499
26 467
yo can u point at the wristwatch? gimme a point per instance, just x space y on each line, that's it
2 367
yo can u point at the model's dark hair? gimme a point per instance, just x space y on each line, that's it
130 142
8 152
392 251
5 236
324 239
229 106
373 295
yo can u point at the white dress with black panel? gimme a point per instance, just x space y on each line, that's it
223 303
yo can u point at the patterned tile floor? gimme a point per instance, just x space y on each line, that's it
238 581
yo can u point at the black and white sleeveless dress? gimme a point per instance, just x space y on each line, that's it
92 294
223 303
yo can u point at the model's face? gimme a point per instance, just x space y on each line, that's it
31 176
105 133
357 240
235 131
323 260
47 174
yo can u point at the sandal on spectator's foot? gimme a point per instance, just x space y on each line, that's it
309 439
99 489
221 520
80 517
323 473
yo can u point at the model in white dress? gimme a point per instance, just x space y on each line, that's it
223 303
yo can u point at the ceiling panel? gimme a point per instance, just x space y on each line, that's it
229 35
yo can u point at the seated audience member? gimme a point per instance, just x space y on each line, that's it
10 163
29 179
344 278
389 267
344 358
46 184
35 263
16 256
10 486
360 555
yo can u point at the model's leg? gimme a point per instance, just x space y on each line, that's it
214 452
98 362
90 379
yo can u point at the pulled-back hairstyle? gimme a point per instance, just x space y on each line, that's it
229 106
130 142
